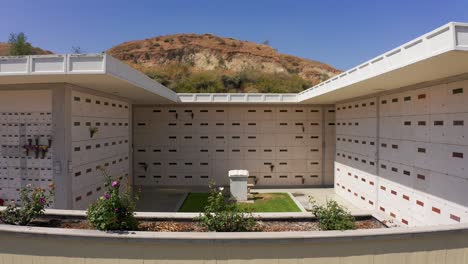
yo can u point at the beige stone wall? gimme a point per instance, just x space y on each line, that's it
24 115
418 175
356 152
424 248
108 148
329 135
191 144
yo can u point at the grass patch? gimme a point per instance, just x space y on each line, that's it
195 202
263 202
271 202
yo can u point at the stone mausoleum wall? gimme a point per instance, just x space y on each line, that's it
404 154
193 144
25 119
108 148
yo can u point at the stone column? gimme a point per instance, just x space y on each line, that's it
238 184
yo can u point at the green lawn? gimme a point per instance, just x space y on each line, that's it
263 202
195 202
271 202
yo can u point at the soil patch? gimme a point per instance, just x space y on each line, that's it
193 226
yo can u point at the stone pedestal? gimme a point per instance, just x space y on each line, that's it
238 184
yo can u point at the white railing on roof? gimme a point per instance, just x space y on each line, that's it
72 64
440 40
237 98
52 64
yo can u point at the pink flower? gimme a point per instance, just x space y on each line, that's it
42 201
107 196
115 184
116 210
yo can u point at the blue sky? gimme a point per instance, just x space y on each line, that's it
341 33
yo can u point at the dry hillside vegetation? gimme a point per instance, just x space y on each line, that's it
208 63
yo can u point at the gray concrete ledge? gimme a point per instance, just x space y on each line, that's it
191 216
241 237
210 237
298 204
181 201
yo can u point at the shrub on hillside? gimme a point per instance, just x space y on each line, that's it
33 202
170 74
223 216
201 82
231 81
182 79
332 216
280 83
115 209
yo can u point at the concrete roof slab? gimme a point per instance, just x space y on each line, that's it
99 72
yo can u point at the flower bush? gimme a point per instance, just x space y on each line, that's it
33 202
332 216
223 216
115 209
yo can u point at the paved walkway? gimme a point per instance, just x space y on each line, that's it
153 199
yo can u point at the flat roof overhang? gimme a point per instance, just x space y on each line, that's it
99 72
441 66
438 54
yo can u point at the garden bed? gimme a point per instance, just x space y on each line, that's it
177 225
115 211
259 202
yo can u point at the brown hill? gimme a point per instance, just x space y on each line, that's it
5 50
208 63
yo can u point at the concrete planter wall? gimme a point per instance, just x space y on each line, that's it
445 244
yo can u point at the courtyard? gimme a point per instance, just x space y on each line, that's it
172 199
379 148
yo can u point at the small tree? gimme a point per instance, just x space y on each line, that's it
223 216
33 202
19 45
114 210
332 216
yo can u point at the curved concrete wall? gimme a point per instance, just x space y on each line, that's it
447 244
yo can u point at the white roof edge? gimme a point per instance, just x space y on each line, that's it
52 64
122 71
237 98
449 37
74 64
